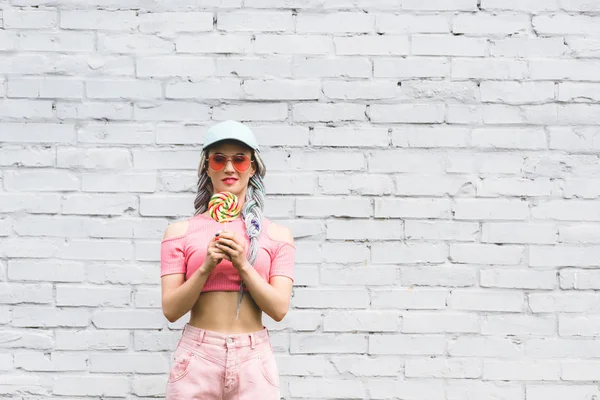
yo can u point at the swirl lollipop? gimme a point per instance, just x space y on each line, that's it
224 207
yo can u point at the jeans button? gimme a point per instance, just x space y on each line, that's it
229 340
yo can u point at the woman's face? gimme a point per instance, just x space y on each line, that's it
228 179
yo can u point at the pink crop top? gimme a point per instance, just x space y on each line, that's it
184 254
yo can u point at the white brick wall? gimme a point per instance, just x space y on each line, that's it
437 161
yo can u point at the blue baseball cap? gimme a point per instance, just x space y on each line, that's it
230 130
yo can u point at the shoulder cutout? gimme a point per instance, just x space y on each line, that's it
176 229
280 233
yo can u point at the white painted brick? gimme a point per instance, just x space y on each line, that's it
94 110
579 325
443 368
558 392
39 204
333 298
430 136
434 185
365 230
517 92
99 20
439 5
409 299
211 43
467 92
345 252
337 22
520 279
360 90
516 5
407 23
329 112
92 340
123 183
327 388
407 344
411 67
563 302
27 157
563 69
409 253
567 210
124 363
91 385
103 296
25 109
528 47
251 112
447 45
386 161
362 321
330 206
479 209
127 319
513 187
166 22
411 389
328 343
563 255
472 390
441 230
579 279
486 300
30 361
482 346
379 275
480 253
372 45
41 180
583 46
424 322
371 184
15 18
45 88
491 68
368 366
290 183
106 158
489 24
451 276
175 66
255 21
49 317
329 67
578 92
574 139
350 136
275 66
66 42
407 113
412 208
301 365
562 348
518 325
563 24
284 90
115 133
510 232
134 44
293 44
18 293
499 370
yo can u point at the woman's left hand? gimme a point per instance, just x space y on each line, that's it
234 247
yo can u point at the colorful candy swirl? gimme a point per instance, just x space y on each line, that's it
224 207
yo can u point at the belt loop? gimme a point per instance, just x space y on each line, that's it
201 337
252 341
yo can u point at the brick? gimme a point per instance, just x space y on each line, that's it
15 18
367 230
447 45
517 92
495 370
405 24
519 279
472 390
372 45
563 302
443 368
409 299
211 43
407 344
486 300
562 348
411 389
328 343
409 253
431 185
557 392
373 275
562 255
407 113
167 22
318 112
581 279
492 68
400 160
45 88
509 232
518 325
427 322
563 24
579 325
451 276
92 340
331 298
328 388
252 21
528 47
412 208
359 90
175 66
411 67
283 90
293 44
322 207
508 209
275 67
482 346
337 22
326 67
513 187
361 321
516 5
30 361
99 20
97 385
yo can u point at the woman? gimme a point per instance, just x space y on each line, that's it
225 352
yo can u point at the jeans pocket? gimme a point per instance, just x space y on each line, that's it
180 365
268 367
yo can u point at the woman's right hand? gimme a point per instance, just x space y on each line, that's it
213 256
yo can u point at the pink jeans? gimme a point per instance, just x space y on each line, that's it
209 365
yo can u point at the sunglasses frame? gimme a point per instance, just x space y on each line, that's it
228 158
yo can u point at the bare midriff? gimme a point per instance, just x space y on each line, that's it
215 311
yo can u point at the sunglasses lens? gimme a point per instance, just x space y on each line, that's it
217 162
241 163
